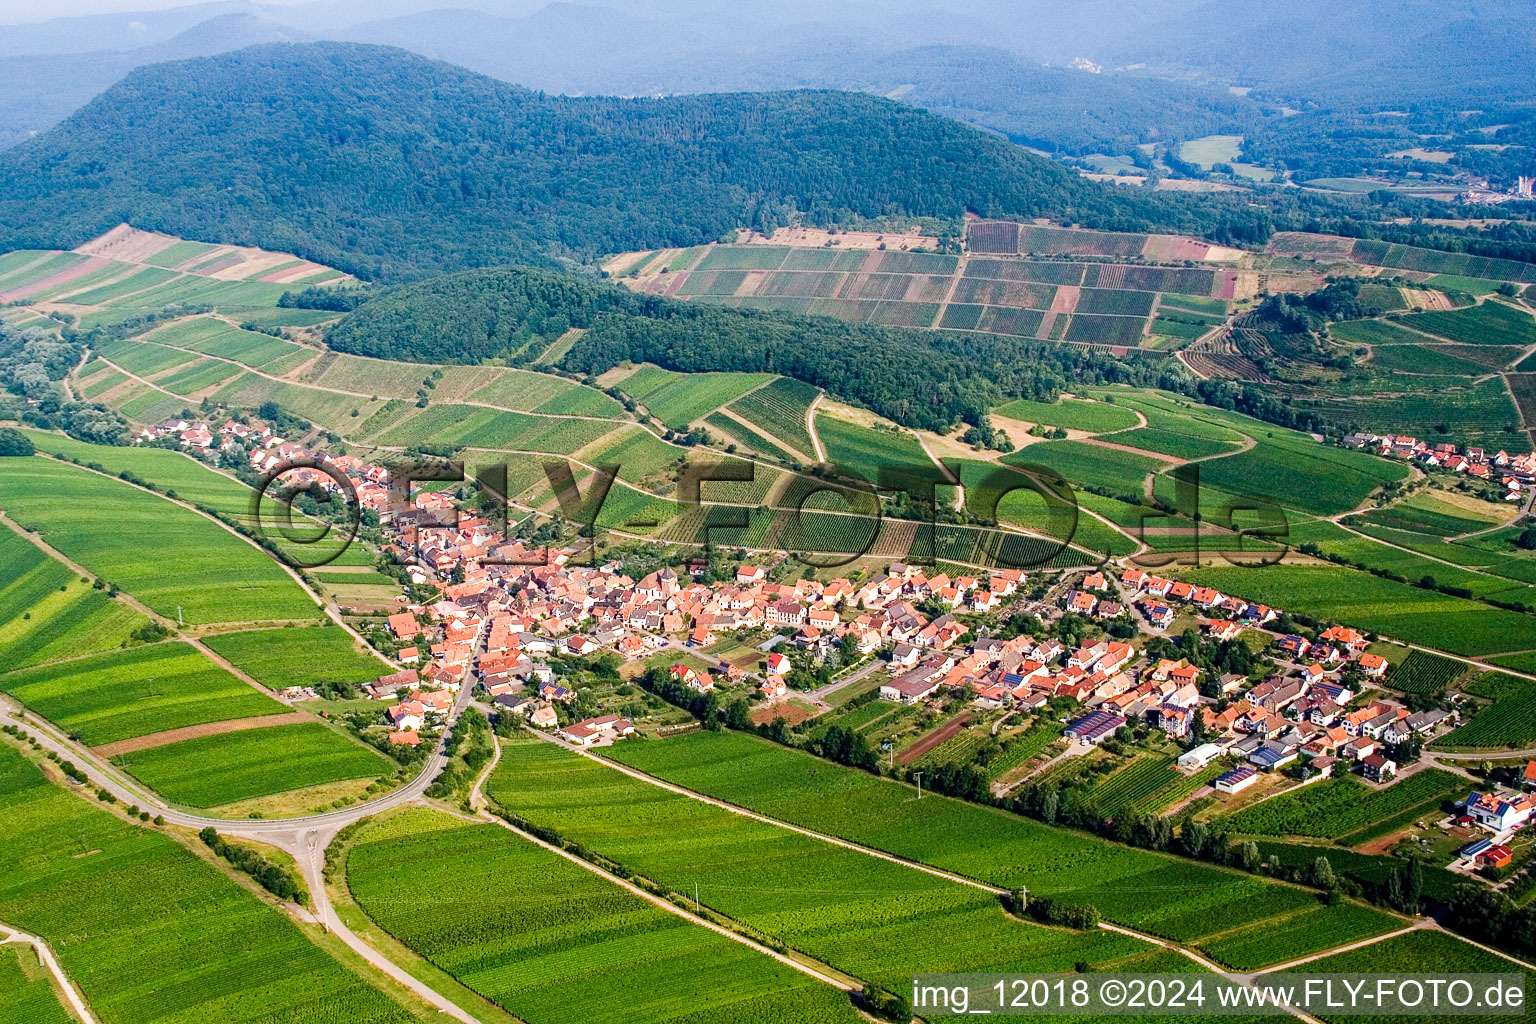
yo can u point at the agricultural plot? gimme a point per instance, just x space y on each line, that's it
46 612
1490 323
1371 603
1425 359
871 918
1365 551
1277 942
1297 472
1093 417
687 397
198 375
211 771
1509 722
26 989
1173 443
1175 899
1375 332
144 359
1340 807
1473 413
1090 465
1422 672
115 696
300 656
250 391
151 933
201 571
548 940
745 438
867 451
1131 785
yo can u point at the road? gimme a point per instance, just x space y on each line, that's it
45 955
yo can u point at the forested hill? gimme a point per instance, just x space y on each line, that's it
920 378
387 164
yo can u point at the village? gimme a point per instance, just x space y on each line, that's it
511 618
1513 474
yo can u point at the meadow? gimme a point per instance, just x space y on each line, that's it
149 932
299 656
1369 602
1510 722
210 771
548 940
193 567
122 694
1166 896
1337 807
47 612
876 920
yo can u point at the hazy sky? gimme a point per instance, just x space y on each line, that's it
14 12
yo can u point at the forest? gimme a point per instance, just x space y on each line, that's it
918 378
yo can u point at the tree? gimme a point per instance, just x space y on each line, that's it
1526 541
1322 873
14 443
1249 856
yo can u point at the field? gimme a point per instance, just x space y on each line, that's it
1295 471
109 697
677 399
1134 783
149 932
1422 672
1373 252
1176 899
103 525
1276 942
1425 359
1372 603
298 656
548 940
780 410
1336 808
1510 722
866 451
26 989
1094 417
1491 323
871 918
221 769
1091 465
46 612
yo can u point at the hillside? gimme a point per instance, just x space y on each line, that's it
386 164
917 378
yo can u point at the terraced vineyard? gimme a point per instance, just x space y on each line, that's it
548 940
780 411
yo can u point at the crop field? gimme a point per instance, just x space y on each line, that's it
1425 359
1173 443
247 347
1422 672
1491 323
544 392
144 359
866 450
871 918
1123 473
121 694
1373 252
1384 606
200 570
299 656
210 771
1334 540
1023 747
1510 722
149 932
1297 472
685 397
197 375
1334 808
1175 899
1277 942
1417 952
548 940
26 990
46 612
1375 332
1094 417
1131 785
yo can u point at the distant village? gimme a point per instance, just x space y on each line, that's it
1513 473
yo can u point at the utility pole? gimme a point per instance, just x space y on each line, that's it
919 785
695 897
178 616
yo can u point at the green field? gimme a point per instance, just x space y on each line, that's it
1276 942
1369 602
210 771
680 398
864 450
1423 359
46 612
1510 722
298 656
1094 417
1491 323
116 696
874 919
550 941
1338 807
1422 672
26 989
1296 472
780 410
152 934
172 559
1090 465
1172 898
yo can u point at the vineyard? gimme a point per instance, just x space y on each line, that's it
1337 807
1510 721
1133 784
46 612
1275 942
1422 672
872 918
1093 417
298 657
615 950
134 918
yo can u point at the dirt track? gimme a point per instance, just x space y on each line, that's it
192 732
